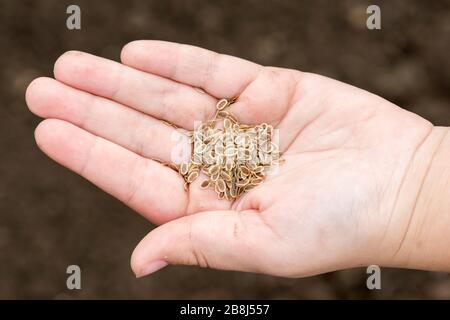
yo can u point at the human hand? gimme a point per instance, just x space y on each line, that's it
333 205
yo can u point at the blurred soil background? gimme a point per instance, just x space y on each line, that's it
51 218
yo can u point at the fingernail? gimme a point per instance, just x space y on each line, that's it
151 268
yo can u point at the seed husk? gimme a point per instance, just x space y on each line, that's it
205 184
184 168
251 165
258 169
221 186
196 159
192 176
214 169
223 114
229 165
222 104
248 187
215 176
233 190
256 181
227 123
228 194
205 170
216 188
242 183
245 171
225 176
230 152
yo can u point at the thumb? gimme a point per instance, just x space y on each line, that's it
226 240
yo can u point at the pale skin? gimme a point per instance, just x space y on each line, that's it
364 182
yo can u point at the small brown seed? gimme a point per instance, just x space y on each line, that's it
192 176
214 169
230 152
245 171
221 186
227 123
248 187
233 192
219 148
205 184
222 104
215 176
228 194
261 174
258 169
216 188
196 159
184 168
229 165
242 183
256 181
205 170
251 165
225 176
223 114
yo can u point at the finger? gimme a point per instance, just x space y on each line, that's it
124 126
148 187
227 240
265 94
151 94
220 75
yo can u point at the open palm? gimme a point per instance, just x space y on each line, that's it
331 206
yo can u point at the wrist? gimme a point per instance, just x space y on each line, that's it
421 237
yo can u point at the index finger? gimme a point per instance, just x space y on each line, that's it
220 75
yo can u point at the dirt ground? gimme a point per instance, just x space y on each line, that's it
51 218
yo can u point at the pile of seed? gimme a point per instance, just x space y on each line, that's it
235 157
